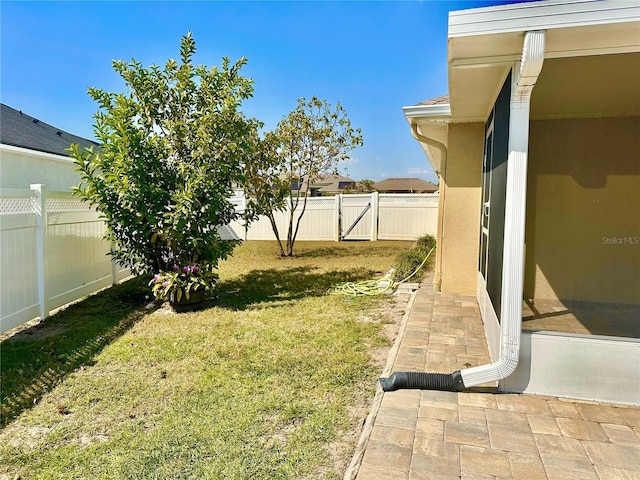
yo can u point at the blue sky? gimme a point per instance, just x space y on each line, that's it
372 57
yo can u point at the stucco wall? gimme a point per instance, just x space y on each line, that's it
461 226
20 167
583 210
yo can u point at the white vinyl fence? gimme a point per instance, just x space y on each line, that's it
51 253
405 216
375 216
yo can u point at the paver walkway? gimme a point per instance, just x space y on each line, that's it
415 435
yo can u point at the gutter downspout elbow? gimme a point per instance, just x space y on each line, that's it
513 250
430 141
437 277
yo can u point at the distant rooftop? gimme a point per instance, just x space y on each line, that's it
331 183
409 185
21 130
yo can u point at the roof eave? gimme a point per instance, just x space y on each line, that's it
522 17
441 111
33 152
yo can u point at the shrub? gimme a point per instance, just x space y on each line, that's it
182 282
407 262
172 147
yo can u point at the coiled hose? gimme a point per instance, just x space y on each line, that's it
375 287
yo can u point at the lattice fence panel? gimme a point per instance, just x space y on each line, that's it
17 206
409 199
319 202
66 203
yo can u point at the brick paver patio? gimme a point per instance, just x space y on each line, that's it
416 435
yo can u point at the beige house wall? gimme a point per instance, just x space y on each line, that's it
583 210
462 178
22 167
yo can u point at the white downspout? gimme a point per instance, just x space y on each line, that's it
513 252
514 227
437 277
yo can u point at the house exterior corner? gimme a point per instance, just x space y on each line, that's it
538 154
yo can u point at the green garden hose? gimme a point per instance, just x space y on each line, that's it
375 287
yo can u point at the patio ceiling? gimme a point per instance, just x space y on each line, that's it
478 65
588 87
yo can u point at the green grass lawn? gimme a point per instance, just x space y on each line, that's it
267 382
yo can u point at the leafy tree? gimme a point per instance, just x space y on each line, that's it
312 140
367 185
363 186
265 188
172 148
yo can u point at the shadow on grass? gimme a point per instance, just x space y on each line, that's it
36 359
272 285
346 248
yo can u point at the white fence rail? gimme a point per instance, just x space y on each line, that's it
51 253
383 216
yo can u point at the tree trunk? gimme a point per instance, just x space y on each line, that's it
294 233
274 227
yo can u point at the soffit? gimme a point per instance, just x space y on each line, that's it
484 43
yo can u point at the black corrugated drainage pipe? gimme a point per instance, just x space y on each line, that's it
513 252
423 381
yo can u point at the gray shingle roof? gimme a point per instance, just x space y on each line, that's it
21 130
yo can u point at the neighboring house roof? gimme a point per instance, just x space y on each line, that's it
327 183
21 130
408 185
332 183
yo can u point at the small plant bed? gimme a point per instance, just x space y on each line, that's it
409 261
270 380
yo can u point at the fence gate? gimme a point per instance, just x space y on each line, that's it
384 216
356 217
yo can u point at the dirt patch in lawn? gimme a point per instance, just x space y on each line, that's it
390 315
33 330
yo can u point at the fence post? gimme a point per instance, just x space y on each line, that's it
375 213
114 272
41 238
336 218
